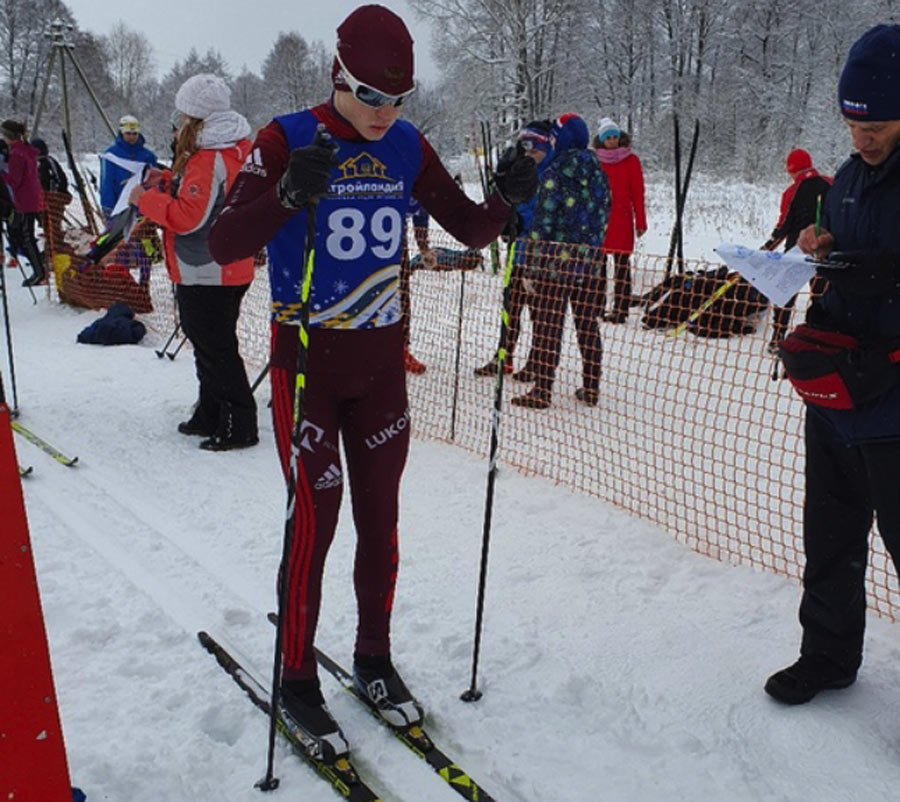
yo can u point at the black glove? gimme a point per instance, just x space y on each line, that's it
308 174
862 272
516 177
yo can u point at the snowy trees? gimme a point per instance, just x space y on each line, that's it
760 75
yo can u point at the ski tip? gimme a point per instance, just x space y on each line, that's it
71 463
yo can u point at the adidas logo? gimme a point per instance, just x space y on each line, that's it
331 478
253 164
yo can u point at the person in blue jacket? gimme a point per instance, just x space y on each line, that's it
534 140
853 455
129 145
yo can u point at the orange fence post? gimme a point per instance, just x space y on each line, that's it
33 764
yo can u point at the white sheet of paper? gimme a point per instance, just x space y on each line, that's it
778 276
136 169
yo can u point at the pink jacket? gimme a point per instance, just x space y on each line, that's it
21 177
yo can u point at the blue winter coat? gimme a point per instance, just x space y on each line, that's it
572 205
862 211
113 177
116 327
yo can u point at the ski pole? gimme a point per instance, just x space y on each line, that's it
9 346
720 291
270 782
459 330
162 352
174 353
258 380
473 694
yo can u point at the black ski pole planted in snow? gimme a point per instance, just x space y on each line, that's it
270 782
473 694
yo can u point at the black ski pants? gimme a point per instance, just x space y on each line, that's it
209 316
22 239
846 488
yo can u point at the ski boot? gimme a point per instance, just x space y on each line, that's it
305 713
381 687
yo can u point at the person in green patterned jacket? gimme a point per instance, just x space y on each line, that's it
566 234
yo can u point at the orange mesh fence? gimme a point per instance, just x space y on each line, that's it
692 426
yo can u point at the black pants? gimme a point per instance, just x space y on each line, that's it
846 487
22 240
621 282
209 319
553 298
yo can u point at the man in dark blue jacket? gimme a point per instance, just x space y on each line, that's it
853 455
129 146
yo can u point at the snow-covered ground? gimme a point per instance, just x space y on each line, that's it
617 664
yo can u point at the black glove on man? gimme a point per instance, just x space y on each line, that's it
308 174
862 272
516 177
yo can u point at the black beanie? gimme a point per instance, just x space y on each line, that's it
869 89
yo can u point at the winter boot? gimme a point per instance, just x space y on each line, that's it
588 397
412 364
533 399
197 424
800 682
37 277
490 368
524 375
231 432
310 721
380 684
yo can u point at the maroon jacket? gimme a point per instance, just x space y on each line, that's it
21 177
252 214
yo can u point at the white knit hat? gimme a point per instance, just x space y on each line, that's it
607 128
128 122
202 95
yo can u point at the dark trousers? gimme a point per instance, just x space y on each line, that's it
553 298
356 397
22 239
209 319
846 487
621 282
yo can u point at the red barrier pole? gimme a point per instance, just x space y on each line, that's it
33 764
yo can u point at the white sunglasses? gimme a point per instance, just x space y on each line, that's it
369 95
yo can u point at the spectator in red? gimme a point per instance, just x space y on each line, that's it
800 204
626 182
20 174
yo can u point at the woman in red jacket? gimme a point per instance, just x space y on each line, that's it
212 144
626 182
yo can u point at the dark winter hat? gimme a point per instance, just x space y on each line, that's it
40 145
537 134
376 48
798 160
12 129
869 89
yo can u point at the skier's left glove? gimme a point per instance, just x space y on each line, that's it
516 177
867 273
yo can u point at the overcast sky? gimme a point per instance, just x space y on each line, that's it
243 32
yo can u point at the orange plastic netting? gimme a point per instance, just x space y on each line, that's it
693 427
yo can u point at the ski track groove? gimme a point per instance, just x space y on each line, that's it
191 613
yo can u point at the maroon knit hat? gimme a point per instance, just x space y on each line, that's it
798 160
376 49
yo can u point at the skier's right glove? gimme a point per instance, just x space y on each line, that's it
516 177
308 174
